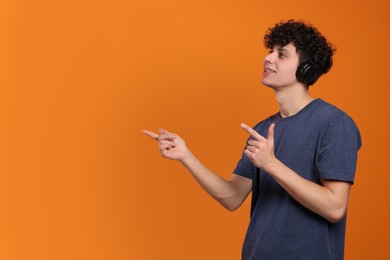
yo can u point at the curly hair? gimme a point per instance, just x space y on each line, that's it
308 41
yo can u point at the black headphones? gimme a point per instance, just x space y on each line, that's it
308 71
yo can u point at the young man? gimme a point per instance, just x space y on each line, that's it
299 163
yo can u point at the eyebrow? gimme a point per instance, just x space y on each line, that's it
283 49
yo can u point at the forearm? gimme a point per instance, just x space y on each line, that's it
226 192
325 201
230 193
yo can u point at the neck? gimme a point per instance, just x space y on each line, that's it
292 100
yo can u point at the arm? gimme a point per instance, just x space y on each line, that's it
229 193
330 200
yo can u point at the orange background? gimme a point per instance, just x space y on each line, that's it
79 79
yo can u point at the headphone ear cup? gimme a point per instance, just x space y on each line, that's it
307 73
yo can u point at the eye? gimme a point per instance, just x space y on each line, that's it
282 55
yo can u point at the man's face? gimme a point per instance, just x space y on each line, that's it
280 67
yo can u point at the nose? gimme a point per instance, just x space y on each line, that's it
269 58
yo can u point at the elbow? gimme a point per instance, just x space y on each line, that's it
336 215
230 204
231 207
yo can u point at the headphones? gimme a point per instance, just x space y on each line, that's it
308 71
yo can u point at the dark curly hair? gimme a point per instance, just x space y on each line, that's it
308 41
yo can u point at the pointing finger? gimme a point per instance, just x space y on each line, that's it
151 134
252 132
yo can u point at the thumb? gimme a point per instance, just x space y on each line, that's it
271 132
163 131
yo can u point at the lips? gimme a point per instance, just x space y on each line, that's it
267 71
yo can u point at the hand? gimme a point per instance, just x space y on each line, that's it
260 150
171 145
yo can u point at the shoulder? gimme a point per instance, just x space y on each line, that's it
335 122
330 114
328 111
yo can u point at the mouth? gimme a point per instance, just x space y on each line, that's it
268 71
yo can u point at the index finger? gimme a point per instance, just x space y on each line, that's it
151 134
252 132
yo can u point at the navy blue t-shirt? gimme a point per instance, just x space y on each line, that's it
319 142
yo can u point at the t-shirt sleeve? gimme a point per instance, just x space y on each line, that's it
337 155
244 167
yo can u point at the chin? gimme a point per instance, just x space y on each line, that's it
268 84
